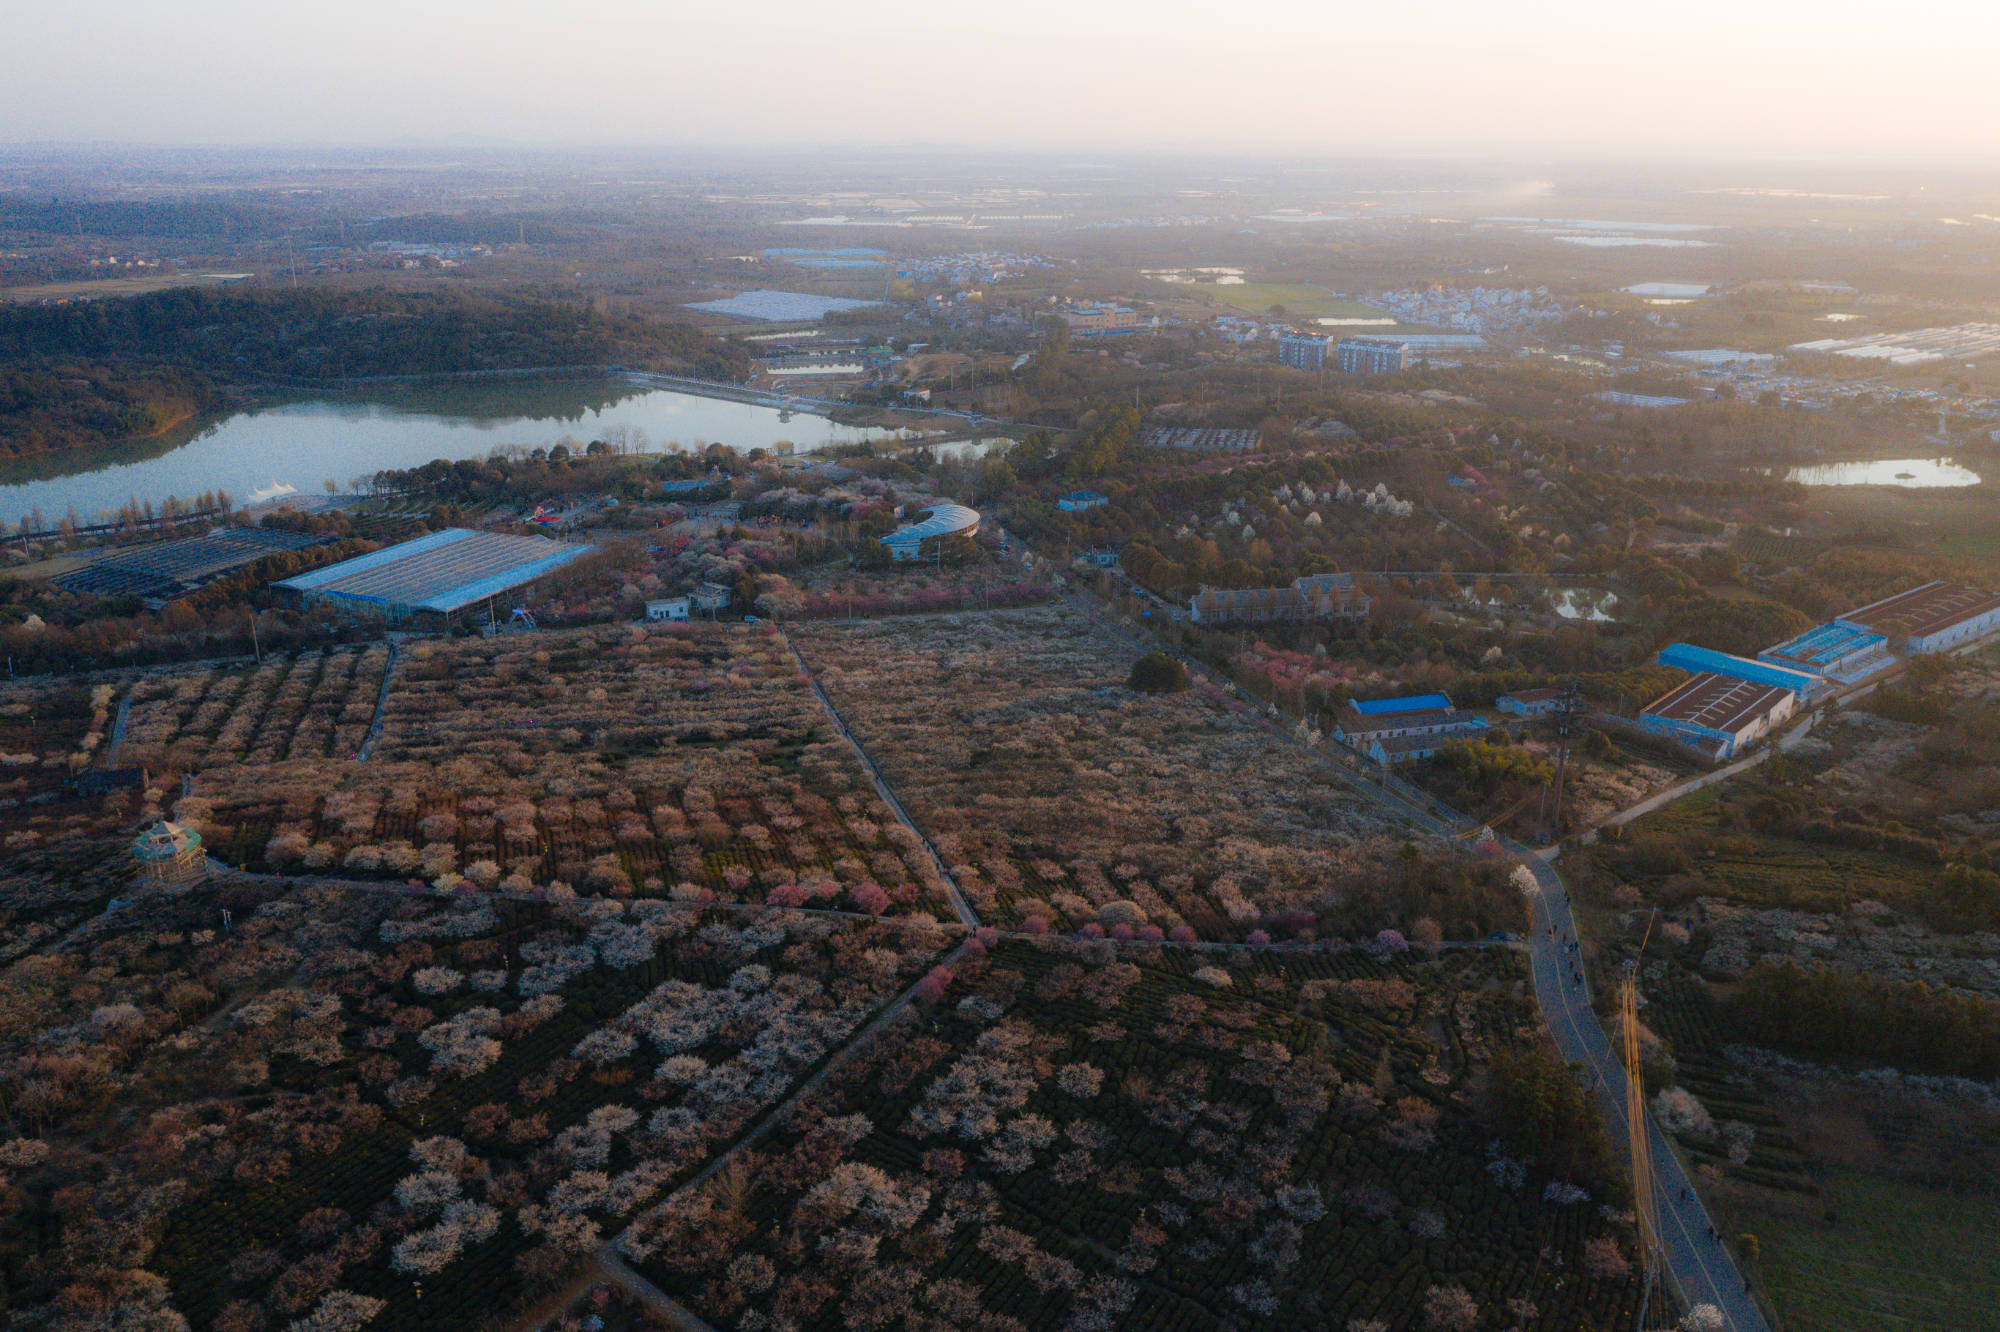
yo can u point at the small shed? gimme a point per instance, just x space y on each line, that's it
169 855
673 609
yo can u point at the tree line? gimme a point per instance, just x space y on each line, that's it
101 371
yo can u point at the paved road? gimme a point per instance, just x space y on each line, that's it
1701 1269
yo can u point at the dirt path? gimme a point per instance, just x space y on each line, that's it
621 1273
966 916
118 728
367 750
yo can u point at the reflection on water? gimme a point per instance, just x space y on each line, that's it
1584 603
1908 472
340 438
1572 603
964 450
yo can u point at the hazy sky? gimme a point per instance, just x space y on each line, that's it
1837 78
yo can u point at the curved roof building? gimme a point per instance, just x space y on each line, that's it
941 520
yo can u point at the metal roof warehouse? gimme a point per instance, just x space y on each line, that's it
1697 660
1718 714
438 574
1931 617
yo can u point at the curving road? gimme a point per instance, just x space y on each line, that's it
1700 1269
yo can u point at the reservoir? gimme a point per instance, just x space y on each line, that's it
345 436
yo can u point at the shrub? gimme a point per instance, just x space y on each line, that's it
1603 1258
1157 673
1450 1309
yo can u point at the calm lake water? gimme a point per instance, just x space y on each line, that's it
1909 472
304 444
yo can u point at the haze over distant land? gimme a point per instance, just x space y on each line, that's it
1780 76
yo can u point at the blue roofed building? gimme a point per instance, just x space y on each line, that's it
1078 500
1716 715
1389 707
1697 660
1840 652
940 521
1391 730
435 576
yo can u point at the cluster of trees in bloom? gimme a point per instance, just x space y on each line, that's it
350 1107
1065 1134
687 761
311 704
1064 800
1261 523
47 733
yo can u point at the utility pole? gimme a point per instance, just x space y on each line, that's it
1570 712
1638 1126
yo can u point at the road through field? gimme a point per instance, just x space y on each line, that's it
1700 1267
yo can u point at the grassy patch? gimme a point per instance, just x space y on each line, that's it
1899 1257
1297 297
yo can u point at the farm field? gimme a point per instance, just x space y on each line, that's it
1698 846
97 288
47 731
429 1111
1062 799
1900 1257
1298 299
305 705
1076 1137
688 762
